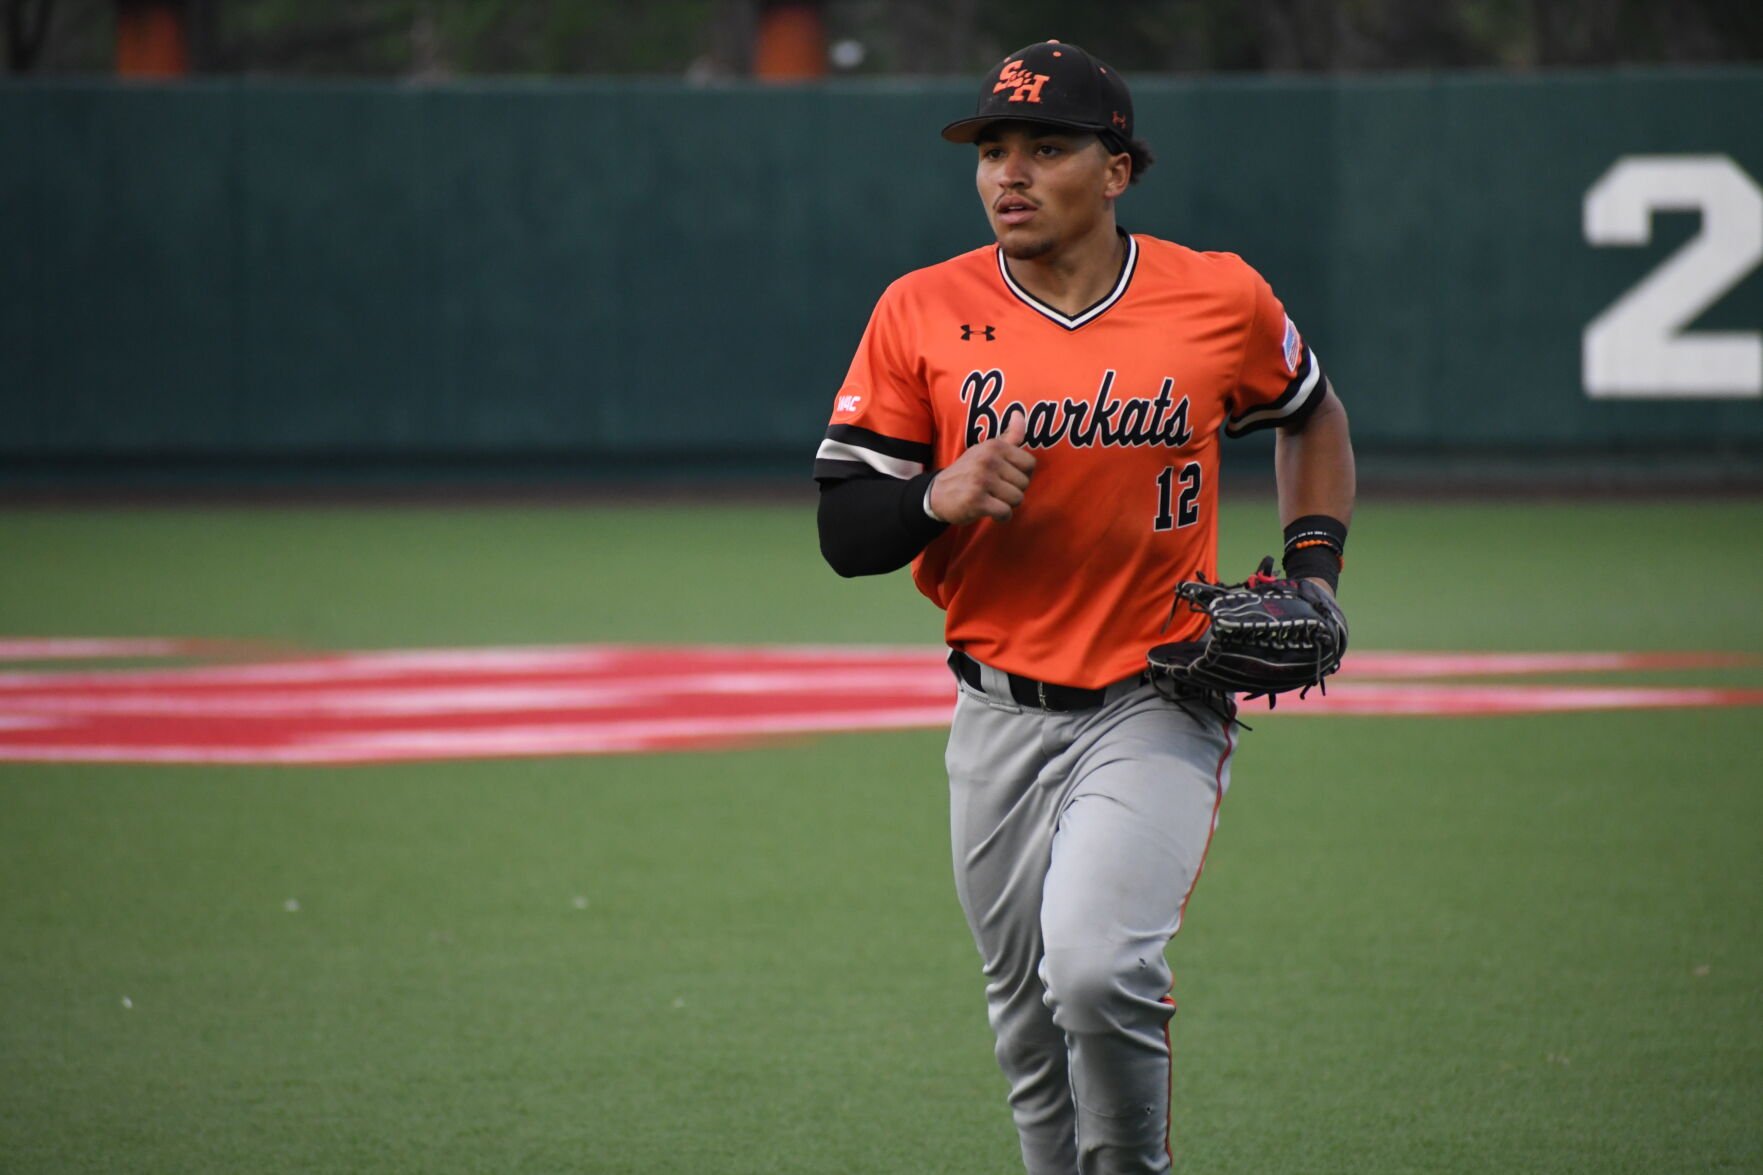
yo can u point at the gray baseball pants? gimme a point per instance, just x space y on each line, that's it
1077 838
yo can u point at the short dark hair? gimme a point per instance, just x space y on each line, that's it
1137 149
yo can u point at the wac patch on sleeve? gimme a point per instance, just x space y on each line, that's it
1294 346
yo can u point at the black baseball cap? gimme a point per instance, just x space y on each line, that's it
1054 83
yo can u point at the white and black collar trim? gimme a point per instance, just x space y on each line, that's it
1072 322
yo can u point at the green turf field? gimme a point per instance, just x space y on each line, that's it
1528 944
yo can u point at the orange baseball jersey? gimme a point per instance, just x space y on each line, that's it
1123 403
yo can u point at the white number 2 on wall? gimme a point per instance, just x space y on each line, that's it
1637 348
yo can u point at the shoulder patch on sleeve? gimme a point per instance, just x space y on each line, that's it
1293 346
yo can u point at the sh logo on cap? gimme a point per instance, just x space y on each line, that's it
1053 83
1016 77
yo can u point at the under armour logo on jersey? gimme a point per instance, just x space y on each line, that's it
967 332
1015 76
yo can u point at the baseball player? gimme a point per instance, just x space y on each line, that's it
1034 426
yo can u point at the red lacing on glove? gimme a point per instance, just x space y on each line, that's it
1263 574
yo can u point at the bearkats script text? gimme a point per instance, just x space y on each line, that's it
1135 420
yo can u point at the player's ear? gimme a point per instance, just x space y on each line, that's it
1118 174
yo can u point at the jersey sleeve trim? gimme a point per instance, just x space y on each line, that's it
850 451
1300 398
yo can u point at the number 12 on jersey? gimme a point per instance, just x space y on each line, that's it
1186 504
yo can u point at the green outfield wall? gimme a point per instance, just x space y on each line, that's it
598 274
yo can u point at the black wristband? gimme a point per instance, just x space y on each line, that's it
1315 548
1315 563
1317 530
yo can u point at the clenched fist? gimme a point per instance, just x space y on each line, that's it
987 481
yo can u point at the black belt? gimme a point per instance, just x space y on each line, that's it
1042 695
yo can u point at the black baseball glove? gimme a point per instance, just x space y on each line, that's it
1267 636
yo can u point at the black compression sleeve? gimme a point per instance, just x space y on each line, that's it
872 525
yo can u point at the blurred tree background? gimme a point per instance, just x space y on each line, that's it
709 39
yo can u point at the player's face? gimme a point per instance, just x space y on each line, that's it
1044 188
